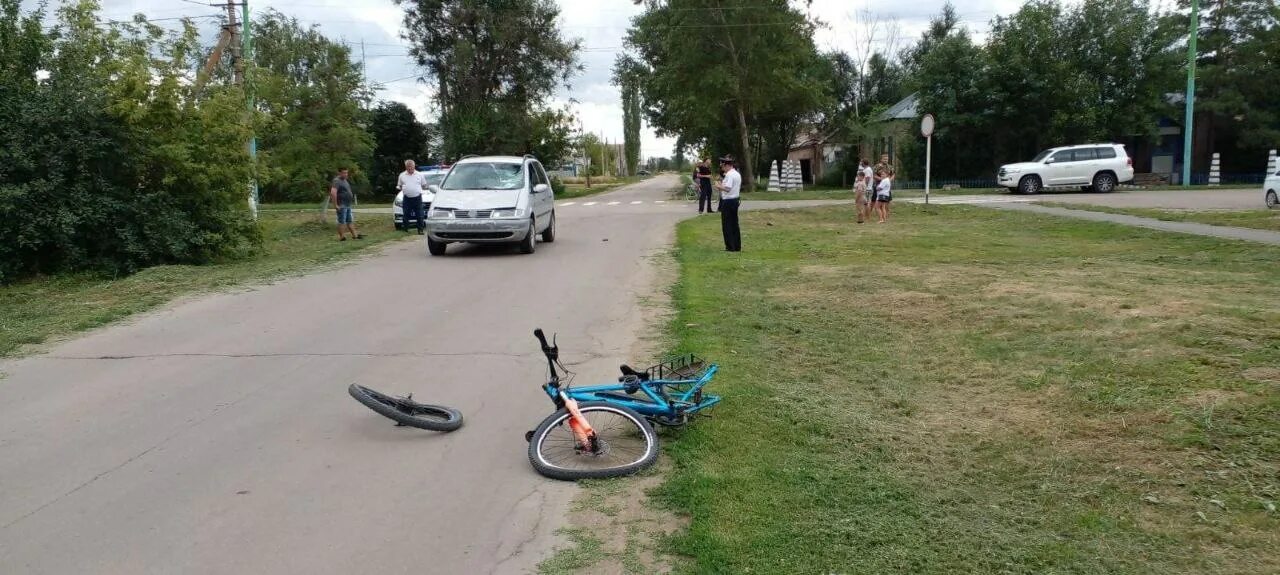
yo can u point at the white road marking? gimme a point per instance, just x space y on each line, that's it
636 202
589 204
567 203
614 203
659 201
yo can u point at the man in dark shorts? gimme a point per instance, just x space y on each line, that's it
343 199
703 173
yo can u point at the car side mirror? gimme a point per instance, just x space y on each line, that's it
1048 160
434 188
540 188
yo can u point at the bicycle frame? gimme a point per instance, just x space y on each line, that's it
654 403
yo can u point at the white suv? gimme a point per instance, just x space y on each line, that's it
1092 167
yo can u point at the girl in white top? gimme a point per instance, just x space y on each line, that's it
884 195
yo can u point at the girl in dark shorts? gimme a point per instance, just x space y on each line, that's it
884 195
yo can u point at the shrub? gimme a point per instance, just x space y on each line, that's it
557 186
115 166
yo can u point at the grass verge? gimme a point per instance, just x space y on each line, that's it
978 391
37 310
847 194
1260 219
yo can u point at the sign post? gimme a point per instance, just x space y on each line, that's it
926 130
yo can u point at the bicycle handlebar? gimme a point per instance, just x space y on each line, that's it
552 352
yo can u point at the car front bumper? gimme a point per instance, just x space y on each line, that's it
478 230
1007 180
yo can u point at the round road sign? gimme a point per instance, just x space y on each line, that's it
926 125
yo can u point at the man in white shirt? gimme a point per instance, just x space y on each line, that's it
411 183
730 197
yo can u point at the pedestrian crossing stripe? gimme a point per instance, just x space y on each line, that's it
636 202
614 203
568 203
589 204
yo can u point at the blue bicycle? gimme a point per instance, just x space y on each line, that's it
604 430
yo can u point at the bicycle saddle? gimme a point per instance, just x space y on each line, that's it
627 372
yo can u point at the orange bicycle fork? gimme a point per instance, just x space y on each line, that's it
582 432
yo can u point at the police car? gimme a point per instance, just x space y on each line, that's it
434 175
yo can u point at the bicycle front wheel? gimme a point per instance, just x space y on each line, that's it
626 443
408 412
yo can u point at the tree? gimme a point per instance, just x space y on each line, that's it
752 55
397 136
626 76
1049 75
1238 69
114 166
494 64
314 96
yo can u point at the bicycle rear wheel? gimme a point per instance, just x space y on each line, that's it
626 444
405 411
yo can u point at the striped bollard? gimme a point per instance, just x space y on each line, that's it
1214 170
774 184
1271 163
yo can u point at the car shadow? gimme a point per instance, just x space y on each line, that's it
465 250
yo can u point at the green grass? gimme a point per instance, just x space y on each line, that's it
36 310
978 391
1261 218
819 193
318 206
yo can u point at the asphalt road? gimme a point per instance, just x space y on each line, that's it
217 436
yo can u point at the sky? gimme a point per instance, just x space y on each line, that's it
600 24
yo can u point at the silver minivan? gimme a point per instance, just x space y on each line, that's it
492 199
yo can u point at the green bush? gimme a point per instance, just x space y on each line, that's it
557 186
114 166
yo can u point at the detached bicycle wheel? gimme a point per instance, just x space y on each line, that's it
405 411
626 443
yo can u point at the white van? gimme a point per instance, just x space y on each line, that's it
492 199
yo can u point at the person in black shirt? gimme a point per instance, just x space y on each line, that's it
703 175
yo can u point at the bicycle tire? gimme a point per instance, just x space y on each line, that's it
419 415
554 421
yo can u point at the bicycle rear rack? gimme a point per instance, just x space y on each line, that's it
681 367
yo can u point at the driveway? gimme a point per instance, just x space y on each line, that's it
1220 199
217 436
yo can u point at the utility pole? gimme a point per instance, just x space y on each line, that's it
236 36
236 43
249 105
1188 121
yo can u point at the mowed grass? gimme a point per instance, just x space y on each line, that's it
1261 218
819 193
32 312
977 391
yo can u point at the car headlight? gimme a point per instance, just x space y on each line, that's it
399 202
516 213
440 213
1010 170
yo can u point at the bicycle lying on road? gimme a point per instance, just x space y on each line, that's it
604 430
